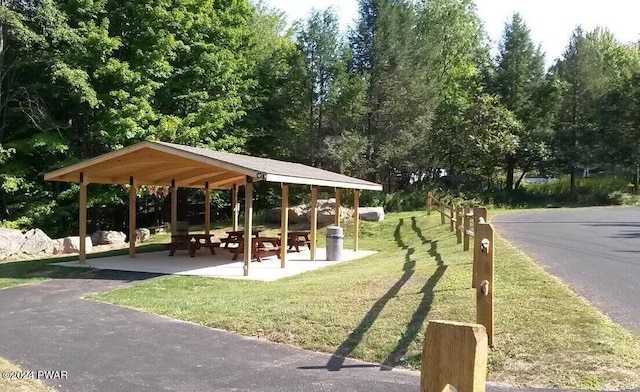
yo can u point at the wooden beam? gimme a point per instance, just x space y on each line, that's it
209 175
338 194
356 219
485 283
147 170
173 172
174 207
235 208
82 258
207 208
248 215
284 224
231 179
314 221
132 217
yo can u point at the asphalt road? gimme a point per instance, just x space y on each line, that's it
49 327
596 251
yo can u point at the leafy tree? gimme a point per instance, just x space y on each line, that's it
517 78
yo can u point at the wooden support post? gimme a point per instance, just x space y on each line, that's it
485 286
248 215
467 226
284 224
442 214
82 258
356 220
235 207
429 201
478 214
452 217
337 220
207 208
132 217
454 355
458 225
174 207
314 221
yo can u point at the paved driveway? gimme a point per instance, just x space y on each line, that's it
594 250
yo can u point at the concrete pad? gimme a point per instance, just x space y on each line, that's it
219 265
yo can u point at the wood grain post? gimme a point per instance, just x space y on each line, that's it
459 225
485 286
248 220
356 220
174 207
207 208
467 226
452 218
337 218
284 224
235 207
442 214
429 201
314 222
454 354
479 215
82 216
132 217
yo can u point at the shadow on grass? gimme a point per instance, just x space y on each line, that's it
42 268
336 362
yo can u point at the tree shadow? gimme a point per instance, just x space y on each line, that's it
414 326
336 362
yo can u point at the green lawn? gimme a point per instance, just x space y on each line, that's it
22 385
376 308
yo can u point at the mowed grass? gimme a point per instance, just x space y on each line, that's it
376 309
13 385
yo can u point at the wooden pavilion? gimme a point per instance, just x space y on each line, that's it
175 165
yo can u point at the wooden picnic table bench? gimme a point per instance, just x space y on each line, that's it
296 239
192 242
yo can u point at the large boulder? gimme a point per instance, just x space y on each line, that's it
72 245
327 213
58 246
11 241
142 235
296 215
108 237
36 241
373 214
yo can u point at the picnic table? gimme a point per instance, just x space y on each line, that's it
295 239
261 246
192 242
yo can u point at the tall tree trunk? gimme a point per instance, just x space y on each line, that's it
510 168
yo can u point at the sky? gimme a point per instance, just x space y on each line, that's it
550 21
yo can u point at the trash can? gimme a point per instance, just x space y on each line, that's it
335 238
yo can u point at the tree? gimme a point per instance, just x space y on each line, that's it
517 78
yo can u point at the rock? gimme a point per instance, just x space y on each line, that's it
58 246
327 213
11 241
373 214
296 215
72 245
108 237
36 241
142 235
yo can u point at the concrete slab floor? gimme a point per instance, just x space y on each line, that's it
219 265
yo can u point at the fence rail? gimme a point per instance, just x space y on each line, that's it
473 223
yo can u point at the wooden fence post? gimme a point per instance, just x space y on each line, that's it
485 286
467 226
429 197
479 214
454 354
459 225
441 213
452 218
